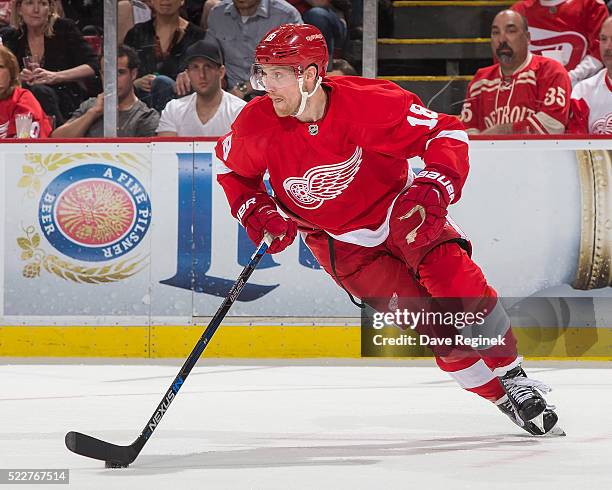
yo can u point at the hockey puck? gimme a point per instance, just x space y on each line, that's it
114 464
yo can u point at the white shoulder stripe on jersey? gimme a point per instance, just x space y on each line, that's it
456 134
485 81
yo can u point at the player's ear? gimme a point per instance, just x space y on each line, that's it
311 73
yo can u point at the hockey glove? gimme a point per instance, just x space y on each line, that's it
259 215
424 206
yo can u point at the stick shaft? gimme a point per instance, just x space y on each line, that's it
192 359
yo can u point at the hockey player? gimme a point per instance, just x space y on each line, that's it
591 103
569 27
521 94
336 151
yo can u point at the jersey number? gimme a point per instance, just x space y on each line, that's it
466 112
555 95
419 110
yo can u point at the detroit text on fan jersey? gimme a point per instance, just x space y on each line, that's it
591 105
534 99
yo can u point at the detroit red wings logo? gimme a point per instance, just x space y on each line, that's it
571 45
603 125
322 183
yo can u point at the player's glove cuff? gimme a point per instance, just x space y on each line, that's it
244 208
434 177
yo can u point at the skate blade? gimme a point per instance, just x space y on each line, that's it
556 431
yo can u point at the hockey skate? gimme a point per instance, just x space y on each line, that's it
524 404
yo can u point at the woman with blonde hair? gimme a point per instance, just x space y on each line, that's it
53 56
15 100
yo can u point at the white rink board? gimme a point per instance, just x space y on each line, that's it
520 207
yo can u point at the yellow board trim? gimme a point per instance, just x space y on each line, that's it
449 3
28 341
266 341
466 40
426 78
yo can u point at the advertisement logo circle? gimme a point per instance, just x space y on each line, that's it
94 212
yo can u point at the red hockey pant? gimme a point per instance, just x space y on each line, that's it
444 271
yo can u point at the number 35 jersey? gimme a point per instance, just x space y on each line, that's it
343 172
534 99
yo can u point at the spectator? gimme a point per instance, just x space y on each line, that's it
58 57
193 10
161 43
329 16
134 118
591 103
85 13
130 13
341 67
208 6
239 25
567 28
523 92
16 100
5 17
210 111
5 13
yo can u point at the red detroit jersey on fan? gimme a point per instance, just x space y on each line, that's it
535 99
570 27
343 173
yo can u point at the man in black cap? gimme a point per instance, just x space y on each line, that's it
209 111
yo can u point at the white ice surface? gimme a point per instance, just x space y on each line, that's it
286 427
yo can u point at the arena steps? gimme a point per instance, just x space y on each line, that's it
436 46
440 93
451 19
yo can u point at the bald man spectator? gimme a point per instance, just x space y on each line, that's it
521 94
591 104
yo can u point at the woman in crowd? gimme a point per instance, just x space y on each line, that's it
53 56
15 100
161 43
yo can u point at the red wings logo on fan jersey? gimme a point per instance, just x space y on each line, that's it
603 125
322 183
573 45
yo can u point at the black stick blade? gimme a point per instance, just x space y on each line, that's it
116 456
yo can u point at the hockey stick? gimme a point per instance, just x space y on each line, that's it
121 456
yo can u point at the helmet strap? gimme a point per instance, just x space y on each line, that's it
305 94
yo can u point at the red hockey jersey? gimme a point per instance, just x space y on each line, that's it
21 101
569 26
535 99
343 173
591 106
